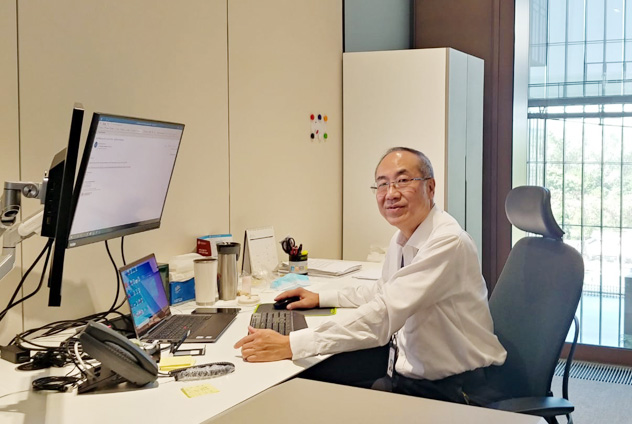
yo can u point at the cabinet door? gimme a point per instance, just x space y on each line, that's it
412 98
390 98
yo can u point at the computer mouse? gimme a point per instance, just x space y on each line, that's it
282 304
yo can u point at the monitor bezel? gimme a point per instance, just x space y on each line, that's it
64 208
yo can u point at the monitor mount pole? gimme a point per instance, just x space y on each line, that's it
11 231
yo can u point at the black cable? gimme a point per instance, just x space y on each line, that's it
114 307
62 325
118 280
41 282
69 346
120 305
52 328
28 271
11 304
57 327
123 251
60 384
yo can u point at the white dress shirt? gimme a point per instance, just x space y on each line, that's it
437 304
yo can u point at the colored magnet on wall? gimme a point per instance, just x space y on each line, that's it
319 126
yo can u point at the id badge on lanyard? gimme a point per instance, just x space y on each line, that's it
392 356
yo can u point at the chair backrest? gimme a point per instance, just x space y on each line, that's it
535 298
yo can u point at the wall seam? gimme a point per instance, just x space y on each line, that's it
228 114
19 127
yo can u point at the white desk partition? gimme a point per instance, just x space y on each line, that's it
164 401
286 402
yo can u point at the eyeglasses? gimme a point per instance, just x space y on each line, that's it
382 187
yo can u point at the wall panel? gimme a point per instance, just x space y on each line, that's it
9 146
285 61
158 60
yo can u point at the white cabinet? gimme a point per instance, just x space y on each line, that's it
427 99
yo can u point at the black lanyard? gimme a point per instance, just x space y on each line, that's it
393 350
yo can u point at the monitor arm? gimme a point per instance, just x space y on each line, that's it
11 231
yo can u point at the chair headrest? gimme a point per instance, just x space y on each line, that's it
529 208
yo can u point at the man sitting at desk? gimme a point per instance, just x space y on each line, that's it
428 311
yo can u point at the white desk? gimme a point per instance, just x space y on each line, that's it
162 402
302 400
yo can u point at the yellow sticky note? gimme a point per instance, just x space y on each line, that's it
175 362
202 389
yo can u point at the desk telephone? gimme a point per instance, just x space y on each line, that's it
121 360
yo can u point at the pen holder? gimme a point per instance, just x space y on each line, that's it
298 263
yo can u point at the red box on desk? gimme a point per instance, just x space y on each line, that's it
206 245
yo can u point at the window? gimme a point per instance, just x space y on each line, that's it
580 147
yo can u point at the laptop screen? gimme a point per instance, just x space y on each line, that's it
145 294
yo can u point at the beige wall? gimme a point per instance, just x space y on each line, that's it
285 64
141 58
9 145
170 61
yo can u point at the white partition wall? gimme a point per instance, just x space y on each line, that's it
430 100
285 59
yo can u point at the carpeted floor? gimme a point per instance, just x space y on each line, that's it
597 402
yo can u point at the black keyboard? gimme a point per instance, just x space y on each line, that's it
282 321
177 326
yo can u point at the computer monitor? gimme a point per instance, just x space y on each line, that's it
123 178
58 204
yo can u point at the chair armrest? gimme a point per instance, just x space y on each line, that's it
545 406
569 360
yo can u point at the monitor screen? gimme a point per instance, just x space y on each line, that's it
123 178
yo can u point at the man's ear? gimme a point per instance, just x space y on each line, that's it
431 186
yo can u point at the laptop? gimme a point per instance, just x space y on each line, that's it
150 311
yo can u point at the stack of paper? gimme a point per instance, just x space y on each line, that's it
369 274
331 267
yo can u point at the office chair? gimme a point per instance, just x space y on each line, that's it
533 305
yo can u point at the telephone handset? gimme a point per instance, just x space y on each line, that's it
120 358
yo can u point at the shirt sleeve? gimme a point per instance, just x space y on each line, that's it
427 280
349 297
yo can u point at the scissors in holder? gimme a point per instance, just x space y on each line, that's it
288 245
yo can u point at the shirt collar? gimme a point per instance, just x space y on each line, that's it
422 232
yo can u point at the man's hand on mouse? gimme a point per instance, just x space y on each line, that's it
264 346
261 345
308 299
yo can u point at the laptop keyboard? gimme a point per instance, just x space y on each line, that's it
282 321
177 326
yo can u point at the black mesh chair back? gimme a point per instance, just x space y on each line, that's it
535 299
